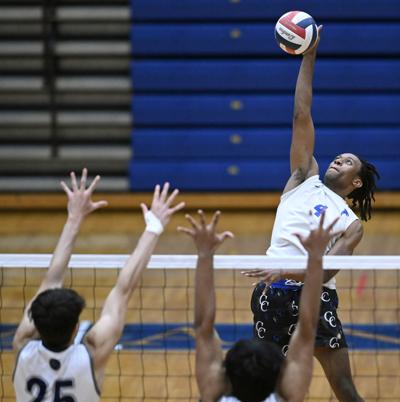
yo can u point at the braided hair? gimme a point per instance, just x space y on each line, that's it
363 196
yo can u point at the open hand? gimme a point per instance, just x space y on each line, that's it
267 276
204 235
80 201
314 48
161 204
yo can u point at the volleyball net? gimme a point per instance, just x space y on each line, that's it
154 359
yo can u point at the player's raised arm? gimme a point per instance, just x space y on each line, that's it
80 205
297 370
302 162
210 375
103 336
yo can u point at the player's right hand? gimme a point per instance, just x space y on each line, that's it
80 201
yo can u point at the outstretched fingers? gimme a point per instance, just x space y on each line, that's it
99 204
202 218
226 235
177 207
93 185
322 220
254 273
215 220
156 194
301 238
83 179
66 189
187 231
330 227
193 222
74 183
164 192
172 197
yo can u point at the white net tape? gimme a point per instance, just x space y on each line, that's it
366 262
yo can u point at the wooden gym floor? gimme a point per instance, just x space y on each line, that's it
161 374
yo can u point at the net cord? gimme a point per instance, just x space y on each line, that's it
187 261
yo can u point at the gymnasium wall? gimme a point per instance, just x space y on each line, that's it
213 93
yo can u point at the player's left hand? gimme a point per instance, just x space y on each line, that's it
313 50
161 205
267 276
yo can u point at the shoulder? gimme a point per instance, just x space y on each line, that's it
29 347
294 187
355 229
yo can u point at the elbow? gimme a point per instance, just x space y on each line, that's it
202 324
301 114
16 344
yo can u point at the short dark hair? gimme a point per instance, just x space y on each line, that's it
253 367
363 196
55 313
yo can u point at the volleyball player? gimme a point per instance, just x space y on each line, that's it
253 370
275 299
49 366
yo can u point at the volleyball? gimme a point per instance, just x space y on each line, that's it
296 32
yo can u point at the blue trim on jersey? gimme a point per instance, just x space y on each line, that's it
283 284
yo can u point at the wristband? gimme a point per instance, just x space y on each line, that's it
153 224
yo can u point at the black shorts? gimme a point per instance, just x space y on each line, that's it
276 314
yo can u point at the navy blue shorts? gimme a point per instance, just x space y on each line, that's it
276 314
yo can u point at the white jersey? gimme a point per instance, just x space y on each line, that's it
271 398
41 375
293 216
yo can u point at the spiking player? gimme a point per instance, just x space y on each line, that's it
275 300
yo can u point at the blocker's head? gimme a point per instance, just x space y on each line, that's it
55 313
253 367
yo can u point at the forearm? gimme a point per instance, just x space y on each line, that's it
296 275
300 274
62 253
343 246
204 292
137 262
310 295
303 93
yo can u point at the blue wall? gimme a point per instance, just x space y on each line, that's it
213 92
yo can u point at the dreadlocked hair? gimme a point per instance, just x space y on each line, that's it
362 197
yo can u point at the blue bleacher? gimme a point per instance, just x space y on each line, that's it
247 143
263 75
213 93
227 39
234 175
182 10
256 110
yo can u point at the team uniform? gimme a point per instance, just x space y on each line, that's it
42 375
276 311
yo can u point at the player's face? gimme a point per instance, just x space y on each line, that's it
343 168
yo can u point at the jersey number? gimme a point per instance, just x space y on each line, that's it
38 387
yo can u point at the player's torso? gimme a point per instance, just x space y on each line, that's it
300 209
44 376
